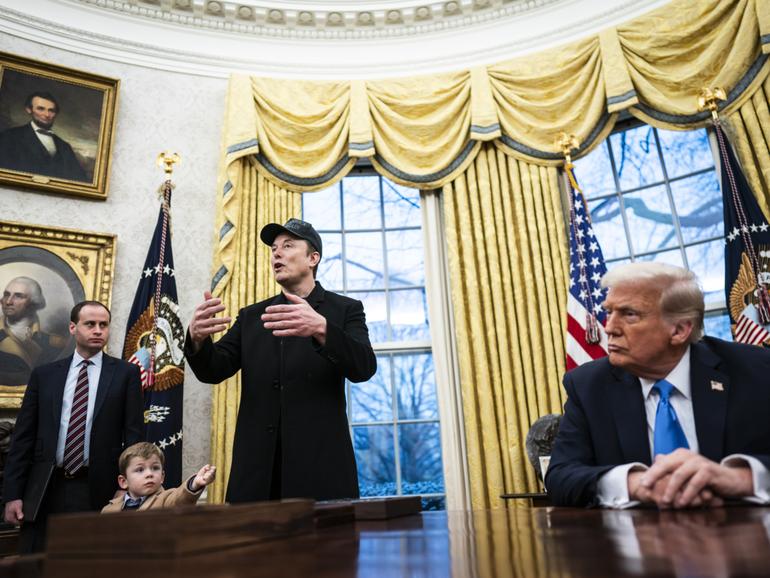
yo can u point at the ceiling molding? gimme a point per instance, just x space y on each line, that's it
291 19
101 32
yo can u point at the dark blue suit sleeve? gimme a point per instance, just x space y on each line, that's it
572 473
21 453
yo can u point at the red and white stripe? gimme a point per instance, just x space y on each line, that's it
749 331
579 351
74 447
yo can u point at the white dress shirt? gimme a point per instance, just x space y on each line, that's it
45 139
612 487
94 372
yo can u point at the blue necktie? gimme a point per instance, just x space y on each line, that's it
133 503
668 434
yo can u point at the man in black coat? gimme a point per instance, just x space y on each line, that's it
295 351
35 148
84 474
612 448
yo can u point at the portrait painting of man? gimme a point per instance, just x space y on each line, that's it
48 127
56 127
34 302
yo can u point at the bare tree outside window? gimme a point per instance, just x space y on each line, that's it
373 251
654 195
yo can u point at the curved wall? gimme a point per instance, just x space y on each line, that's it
157 111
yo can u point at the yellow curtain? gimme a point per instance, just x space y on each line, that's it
259 202
424 131
508 258
749 131
486 136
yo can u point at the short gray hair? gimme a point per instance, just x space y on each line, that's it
36 298
681 297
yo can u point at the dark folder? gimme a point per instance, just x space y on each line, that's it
37 483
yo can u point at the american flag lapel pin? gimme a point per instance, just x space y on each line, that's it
717 386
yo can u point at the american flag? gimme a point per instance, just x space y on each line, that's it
586 339
747 252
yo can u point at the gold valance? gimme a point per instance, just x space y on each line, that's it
425 131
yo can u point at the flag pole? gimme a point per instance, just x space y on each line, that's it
166 160
709 99
567 143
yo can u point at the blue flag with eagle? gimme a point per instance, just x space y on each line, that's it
747 252
154 342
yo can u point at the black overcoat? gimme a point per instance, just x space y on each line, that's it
294 386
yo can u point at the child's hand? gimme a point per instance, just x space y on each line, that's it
204 477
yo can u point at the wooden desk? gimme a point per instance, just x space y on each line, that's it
516 542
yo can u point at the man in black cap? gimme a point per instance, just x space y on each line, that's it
295 351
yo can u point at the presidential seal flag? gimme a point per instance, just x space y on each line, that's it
154 342
586 339
747 252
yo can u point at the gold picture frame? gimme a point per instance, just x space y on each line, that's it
57 127
67 266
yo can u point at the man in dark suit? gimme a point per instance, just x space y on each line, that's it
667 418
78 415
295 351
35 148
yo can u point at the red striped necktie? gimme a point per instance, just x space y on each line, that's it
74 448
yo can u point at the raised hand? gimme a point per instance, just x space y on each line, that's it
204 322
295 319
204 477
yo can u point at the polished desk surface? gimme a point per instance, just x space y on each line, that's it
518 541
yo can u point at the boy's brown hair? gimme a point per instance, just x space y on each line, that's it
140 450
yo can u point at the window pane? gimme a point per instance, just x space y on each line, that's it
322 209
330 267
707 261
416 381
420 447
673 257
363 261
361 198
608 227
375 309
401 204
594 173
718 326
409 315
649 219
698 201
685 152
405 258
375 458
372 400
636 157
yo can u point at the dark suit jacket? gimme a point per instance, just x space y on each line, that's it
21 150
605 424
294 384
117 422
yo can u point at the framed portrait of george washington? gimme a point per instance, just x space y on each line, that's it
56 127
44 272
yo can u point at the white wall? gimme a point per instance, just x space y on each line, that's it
157 111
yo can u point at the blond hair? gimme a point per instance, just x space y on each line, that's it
681 298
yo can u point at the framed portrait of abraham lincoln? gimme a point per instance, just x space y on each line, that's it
56 127
44 272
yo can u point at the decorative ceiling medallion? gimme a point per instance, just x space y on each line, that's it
306 20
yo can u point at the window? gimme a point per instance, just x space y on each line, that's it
373 251
654 195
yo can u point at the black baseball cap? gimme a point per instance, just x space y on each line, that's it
295 227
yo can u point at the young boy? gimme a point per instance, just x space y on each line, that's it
141 475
